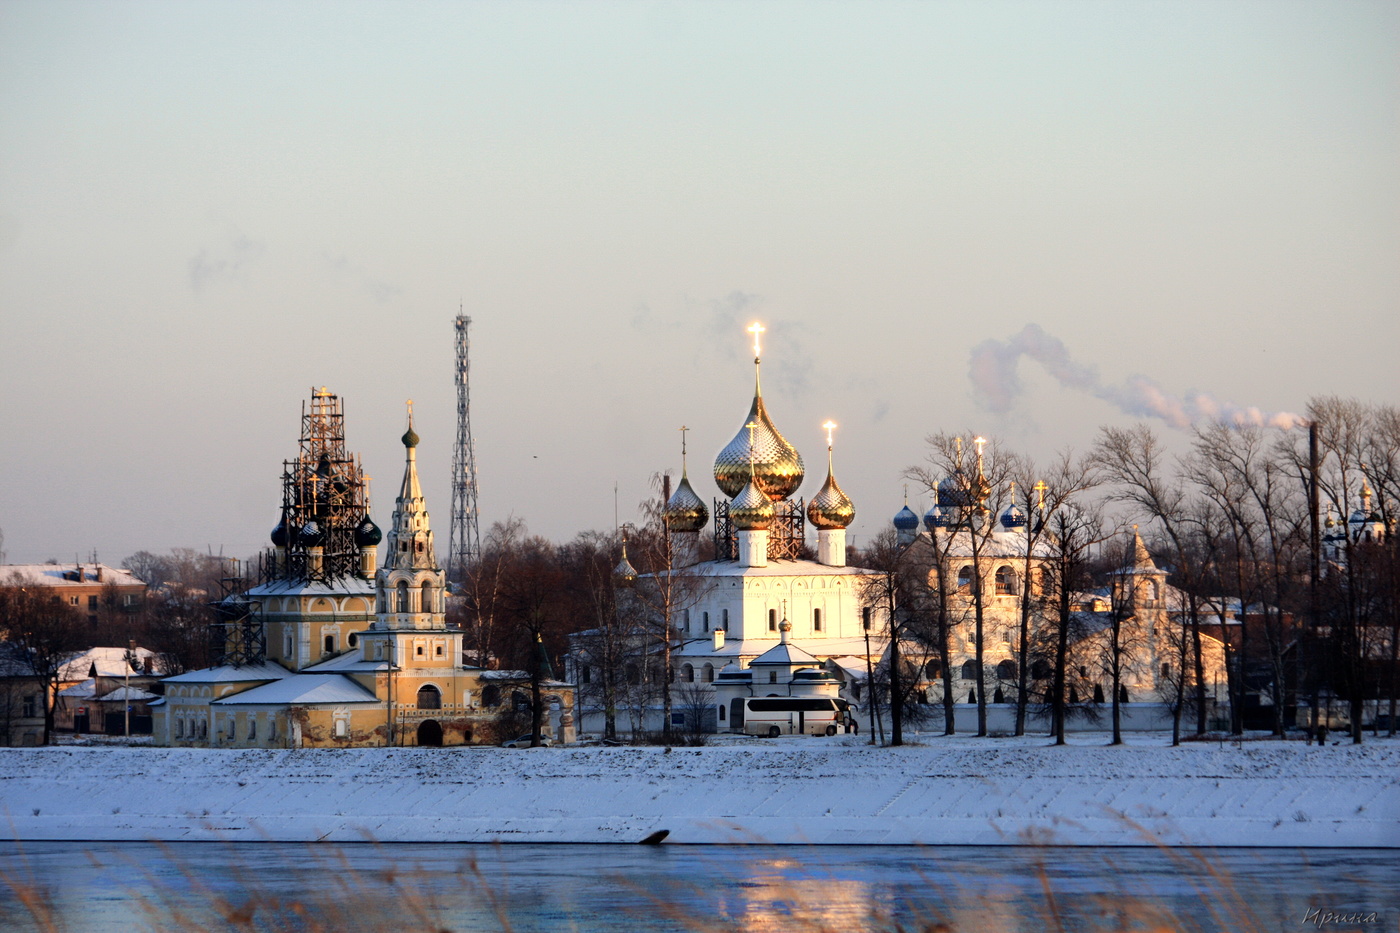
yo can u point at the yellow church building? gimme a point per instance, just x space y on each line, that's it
332 650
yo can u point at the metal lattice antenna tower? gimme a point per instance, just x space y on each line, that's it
465 542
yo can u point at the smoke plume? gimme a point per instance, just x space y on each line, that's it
996 385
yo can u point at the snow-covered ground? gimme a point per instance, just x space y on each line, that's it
812 790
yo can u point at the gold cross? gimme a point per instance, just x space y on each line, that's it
756 328
1040 488
830 425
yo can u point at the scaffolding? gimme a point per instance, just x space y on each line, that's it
464 542
237 635
786 536
325 498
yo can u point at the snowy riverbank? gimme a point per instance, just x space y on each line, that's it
809 790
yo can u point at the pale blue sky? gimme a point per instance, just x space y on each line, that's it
206 209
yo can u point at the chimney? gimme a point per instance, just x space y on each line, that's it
99 573
719 638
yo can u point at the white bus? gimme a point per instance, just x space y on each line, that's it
774 716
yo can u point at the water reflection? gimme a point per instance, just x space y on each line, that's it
248 886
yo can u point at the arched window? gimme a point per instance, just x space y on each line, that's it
402 591
687 673
932 670
708 673
1098 693
1166 671
330 644
1006 581
965 576
726 620
772 620
587 674
998 696
426 600
491 695
1073 694
429 697
521 701
1123 695
353 639
969 670
816 620
1006 670
705 618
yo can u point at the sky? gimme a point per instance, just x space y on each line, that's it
1025 220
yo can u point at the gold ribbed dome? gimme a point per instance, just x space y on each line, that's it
685 511
830 508
751 509
777 466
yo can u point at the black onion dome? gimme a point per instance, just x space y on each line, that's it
281 534
311 535
367 534
410 437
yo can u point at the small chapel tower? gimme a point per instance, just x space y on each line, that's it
411 625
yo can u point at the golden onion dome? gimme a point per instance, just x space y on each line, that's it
830 507
751 509
685 511
777 466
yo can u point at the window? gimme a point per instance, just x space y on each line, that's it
203 729
1166 671
92 602
1006 670
865 617
687 673
772 620
1006 581
252 727
438 651
686 618
969 670
272 728
708 672
330 644
72 600
1098 693
288 652
965 576
418 651
428 604
342 728
1123 695
587 674
353 639
402 593
721 712
816 620
179 728
726 620
772 677
31 706
705 620
429 697
491 695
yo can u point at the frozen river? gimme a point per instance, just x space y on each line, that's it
123 887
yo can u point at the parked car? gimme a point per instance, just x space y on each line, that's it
526 740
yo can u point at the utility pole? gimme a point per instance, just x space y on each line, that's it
464 545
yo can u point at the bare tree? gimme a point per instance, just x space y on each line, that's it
44 632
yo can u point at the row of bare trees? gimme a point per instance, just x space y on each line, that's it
1305 609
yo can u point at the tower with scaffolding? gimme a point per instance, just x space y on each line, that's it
464 543
314 588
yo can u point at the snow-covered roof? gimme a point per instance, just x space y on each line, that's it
127 695
998 544
228 673
110 662
340 586
784 654
65 575
346 661
82 691
302 688
852 668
